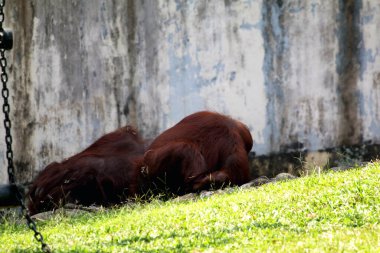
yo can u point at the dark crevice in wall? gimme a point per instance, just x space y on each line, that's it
116 96
347 61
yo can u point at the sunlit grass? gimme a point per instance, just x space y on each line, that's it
330 212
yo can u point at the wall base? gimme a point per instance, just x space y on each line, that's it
306 162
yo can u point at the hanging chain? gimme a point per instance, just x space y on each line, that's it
6 43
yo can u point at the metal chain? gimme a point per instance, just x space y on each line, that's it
2 3
8 138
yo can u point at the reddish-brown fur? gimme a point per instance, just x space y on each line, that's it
105 173
202 150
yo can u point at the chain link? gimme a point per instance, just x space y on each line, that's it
8 139
2 3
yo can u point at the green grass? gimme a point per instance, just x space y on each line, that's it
330 212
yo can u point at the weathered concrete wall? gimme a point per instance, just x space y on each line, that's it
303 75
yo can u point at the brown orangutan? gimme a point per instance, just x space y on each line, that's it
205 149
105 173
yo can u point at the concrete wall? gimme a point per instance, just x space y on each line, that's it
301 74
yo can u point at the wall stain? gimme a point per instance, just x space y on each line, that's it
117 80
104 45
275 43
130 108
22 111
347 62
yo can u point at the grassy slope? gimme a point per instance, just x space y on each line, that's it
333 212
